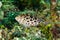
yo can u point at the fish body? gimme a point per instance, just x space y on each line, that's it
27 21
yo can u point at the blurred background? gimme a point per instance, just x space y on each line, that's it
48 11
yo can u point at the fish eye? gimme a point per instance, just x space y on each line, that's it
24 18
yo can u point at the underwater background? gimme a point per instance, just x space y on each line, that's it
29 19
